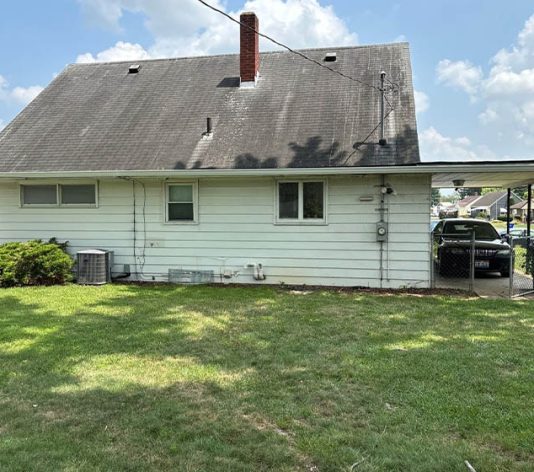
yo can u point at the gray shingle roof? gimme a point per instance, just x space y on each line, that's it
96 117
490 198
468 200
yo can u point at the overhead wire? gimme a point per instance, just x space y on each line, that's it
282 45
394 86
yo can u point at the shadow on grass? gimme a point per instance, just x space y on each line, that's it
198 378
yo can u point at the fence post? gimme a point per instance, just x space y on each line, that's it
472 264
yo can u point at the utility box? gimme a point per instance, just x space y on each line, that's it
381 231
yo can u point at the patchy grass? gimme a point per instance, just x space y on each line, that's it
244 379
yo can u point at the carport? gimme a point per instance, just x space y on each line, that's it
504 174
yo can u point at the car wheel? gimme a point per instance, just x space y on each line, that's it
505 273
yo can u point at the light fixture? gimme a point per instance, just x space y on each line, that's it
458 183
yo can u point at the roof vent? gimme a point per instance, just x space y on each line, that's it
134 69
330 57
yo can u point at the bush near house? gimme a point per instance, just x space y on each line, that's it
34 263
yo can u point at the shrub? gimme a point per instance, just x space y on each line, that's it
34 263
524 262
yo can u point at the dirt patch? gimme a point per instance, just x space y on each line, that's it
307 289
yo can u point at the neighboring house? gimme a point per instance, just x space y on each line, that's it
465 204
292 171
520 210
493 204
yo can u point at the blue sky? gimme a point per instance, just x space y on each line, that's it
473 60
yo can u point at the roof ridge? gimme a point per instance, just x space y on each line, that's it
404 44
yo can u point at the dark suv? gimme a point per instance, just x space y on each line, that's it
453 241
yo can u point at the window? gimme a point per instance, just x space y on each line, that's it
58 194
301 202
78 194
39 194
181 202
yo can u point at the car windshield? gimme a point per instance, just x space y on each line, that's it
464 229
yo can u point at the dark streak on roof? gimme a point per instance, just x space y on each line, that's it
97 117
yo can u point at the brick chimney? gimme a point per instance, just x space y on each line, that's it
249 54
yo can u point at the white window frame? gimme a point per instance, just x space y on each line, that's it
300 221
58 203
194 184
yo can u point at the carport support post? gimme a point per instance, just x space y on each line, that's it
508 201
529 208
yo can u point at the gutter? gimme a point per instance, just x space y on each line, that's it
430 168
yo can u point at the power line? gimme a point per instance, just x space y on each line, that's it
393 86
278 43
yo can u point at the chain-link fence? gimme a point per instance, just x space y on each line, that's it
453 262
522 261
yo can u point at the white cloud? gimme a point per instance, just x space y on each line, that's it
436 147
26 95
506 92
460 75
20 95
422 102
187 28
2 124
488 116
120 52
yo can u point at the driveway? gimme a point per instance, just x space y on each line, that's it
488 285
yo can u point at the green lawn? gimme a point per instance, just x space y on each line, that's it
246 379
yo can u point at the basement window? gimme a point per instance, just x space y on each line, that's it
181 202
301 202
58 195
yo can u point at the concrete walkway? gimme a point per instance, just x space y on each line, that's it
488 285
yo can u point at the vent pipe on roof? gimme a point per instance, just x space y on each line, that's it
249 52
382 141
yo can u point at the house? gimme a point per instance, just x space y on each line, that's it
254 168
492 204
465 204
520 210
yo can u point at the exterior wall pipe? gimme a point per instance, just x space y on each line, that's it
381 210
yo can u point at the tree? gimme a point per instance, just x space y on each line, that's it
436 196
487 190
468 192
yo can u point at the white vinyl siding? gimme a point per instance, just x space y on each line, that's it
235 226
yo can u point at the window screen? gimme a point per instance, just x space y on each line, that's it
288 194
180 203
313 200
39 194
78 194
301 201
